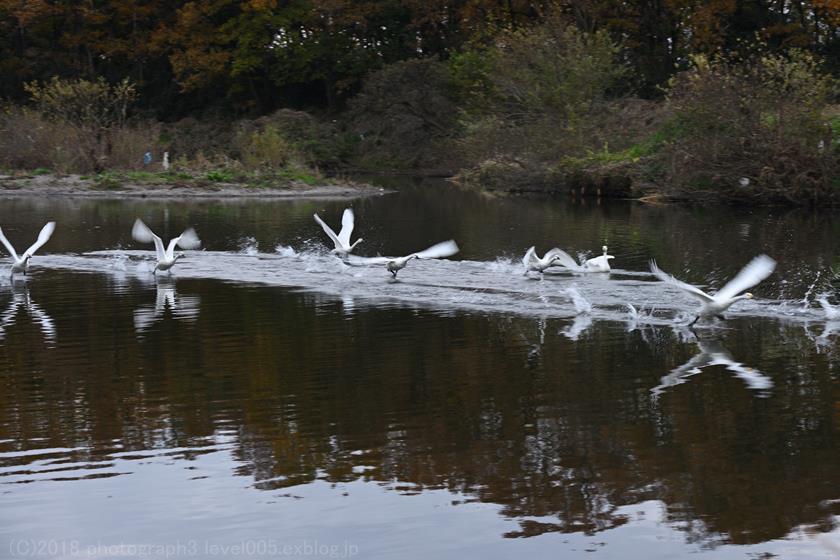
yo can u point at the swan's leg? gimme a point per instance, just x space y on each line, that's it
394 274
721 317
691 324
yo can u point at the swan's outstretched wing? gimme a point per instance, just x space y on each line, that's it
141 232
347 222
187 240
439 251
688 288
564 259
757 270
8 245
353 260
43 237
328 230
530 256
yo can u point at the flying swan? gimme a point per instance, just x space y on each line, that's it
713 306
395 264
166 258
21 263
342 240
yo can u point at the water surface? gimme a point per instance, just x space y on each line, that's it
267 395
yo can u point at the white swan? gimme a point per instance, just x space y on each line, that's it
166 258
600 263
21 263
395 264
342 240
712 306
533 263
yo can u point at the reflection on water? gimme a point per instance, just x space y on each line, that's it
713 353
167 300
21 304
230 411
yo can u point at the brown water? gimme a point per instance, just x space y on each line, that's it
263 403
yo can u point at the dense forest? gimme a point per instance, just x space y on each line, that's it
684 98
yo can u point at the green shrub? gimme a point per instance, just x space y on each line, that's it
751 127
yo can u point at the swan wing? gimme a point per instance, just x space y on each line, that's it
563 259
347 222
328 230
438 251
141 233
688 288
757 270
188 240
354 260
43 237
8 246
530 256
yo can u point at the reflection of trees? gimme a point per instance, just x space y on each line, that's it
306 391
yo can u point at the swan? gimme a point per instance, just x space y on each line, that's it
166 258
600 263
395 264
713 306
21 263
713 353
533 263
342 240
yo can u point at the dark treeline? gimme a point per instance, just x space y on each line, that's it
260 55
687 99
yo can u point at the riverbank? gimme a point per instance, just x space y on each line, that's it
172 186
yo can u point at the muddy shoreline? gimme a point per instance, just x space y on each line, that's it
75 186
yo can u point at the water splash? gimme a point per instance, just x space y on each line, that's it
805 302
832 313
582 305
285 251
249 246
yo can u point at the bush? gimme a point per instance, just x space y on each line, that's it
751 127
405 116
93 110
29 141
539 94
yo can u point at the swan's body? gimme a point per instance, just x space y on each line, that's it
598 264
712 306
166 257
713 353
535 264
395 264
21 263
343 247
